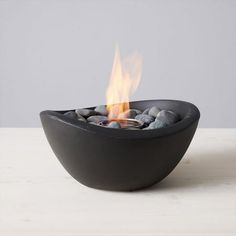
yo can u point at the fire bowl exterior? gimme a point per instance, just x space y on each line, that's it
119 159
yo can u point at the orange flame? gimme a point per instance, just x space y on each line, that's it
125 78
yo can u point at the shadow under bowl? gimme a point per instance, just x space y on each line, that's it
121 159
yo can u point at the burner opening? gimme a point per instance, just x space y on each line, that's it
125 123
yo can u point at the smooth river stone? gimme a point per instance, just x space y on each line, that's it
145 112
133 128
146 119
137 111
93 123
114 125
85 112
157 124
129 114
101 110
79 117
169 117
71 114
97 119
154 111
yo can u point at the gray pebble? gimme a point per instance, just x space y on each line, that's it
93 123
101 110
79 117
97 119
169 117
129 114
154 111
71 114
86 112
146 119
133 128
82 119
114 125
145 112
157 124
137 111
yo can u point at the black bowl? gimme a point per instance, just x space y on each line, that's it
119 159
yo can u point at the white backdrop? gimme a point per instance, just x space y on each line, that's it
58 54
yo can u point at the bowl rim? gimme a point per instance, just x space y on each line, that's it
192 116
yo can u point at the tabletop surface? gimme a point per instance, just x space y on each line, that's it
38 197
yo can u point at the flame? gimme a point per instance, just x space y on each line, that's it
125 78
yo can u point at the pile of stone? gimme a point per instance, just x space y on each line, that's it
150 118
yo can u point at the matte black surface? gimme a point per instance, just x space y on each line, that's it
119 159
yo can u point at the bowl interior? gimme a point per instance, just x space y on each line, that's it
188 112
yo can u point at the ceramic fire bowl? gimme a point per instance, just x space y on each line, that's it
120 159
